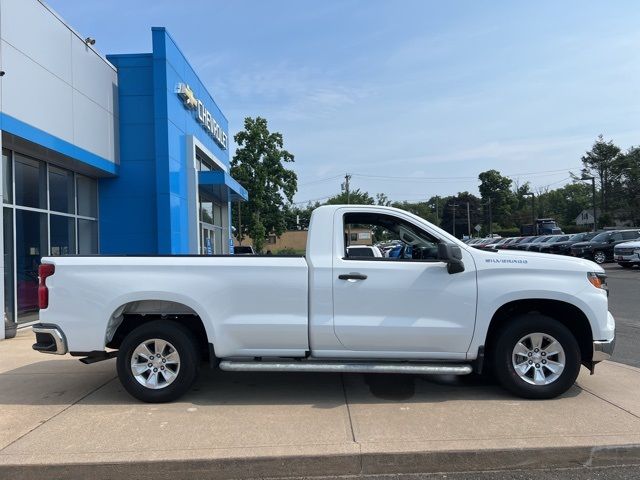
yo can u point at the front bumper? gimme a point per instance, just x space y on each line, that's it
603 349
633 259
49 339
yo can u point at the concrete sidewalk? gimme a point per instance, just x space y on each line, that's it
62 419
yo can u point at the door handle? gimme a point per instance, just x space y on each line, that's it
352 276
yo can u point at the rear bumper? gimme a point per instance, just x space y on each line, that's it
603 349
49 339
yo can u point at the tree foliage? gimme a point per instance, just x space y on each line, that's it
599 162
259 165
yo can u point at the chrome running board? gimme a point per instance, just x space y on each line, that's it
346 367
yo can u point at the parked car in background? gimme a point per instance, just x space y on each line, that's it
535 244
514 245
564 247
627 254
243 250
484 243
363 251
524 245
509 241
546 246
496 244
600 248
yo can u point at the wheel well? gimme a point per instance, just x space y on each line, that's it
569 315
133 314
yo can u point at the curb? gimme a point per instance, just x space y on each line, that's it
334 464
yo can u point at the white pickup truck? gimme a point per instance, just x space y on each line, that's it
531 319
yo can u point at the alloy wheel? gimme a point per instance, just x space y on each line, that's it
538 359
155 363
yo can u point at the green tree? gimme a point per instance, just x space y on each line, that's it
496 189
421 209
627 173
461 220
259 165
599 162
356 197
382 199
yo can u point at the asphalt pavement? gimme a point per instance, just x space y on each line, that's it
624 304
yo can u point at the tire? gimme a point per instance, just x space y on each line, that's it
530 384
175 370
599 257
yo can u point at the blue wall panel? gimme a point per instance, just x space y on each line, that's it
146 208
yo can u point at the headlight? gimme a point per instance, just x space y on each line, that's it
598 280
637 251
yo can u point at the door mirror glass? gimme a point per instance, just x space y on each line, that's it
452 256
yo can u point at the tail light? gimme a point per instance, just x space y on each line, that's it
44 270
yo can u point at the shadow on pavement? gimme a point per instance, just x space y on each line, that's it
96 385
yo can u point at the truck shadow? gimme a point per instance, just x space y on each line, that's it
60 382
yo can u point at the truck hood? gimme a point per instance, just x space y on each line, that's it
535 260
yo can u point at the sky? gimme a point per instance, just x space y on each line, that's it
412 98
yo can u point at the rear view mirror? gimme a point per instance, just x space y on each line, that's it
452 256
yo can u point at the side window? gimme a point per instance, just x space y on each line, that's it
616 237
393 239
631 235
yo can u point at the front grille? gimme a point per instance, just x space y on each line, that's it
624 251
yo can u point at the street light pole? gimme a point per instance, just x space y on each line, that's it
593 202
468 221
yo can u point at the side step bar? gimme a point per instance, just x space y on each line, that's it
346 367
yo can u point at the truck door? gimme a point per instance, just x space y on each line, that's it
407 306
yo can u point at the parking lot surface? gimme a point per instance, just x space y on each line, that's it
624 303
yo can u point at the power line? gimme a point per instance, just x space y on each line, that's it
320 181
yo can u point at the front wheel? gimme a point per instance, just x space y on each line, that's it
599 257
158 361
536 357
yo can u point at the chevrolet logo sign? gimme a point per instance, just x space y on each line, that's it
187 96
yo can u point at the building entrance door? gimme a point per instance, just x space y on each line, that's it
207 239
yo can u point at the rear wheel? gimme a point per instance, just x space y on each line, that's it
536 357
158 361
599 257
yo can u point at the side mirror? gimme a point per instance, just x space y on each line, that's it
452 256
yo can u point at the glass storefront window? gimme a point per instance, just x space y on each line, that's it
62 195
206 211
31 182
31 244
63 235
9 290
87 196
87 237
7 192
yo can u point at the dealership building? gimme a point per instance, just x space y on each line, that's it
123 154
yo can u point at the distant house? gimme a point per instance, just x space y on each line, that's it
585 218
297 239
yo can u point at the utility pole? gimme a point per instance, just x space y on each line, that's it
437 212
345 187
454 205
468 221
